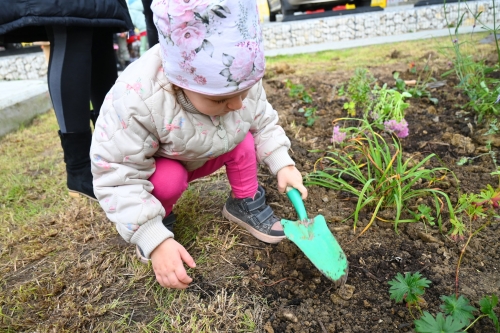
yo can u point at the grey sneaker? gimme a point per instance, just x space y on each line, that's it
255 216
168 222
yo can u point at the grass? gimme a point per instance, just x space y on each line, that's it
373 56
64 268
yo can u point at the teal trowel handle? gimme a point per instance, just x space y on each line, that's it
296 199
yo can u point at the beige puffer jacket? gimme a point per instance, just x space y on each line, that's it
141 119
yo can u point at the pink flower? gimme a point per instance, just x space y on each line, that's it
337 136
399 128
184 9
242 65
260 63
186 67
189 37
201 80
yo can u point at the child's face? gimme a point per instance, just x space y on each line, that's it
216 105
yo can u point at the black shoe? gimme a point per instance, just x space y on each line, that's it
255 216
168 222
76 147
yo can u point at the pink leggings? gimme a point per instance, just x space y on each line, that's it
171 178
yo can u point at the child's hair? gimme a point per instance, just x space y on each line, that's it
213 47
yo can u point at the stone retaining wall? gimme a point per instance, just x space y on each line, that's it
392 21
23 67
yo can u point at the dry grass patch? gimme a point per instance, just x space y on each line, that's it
64 268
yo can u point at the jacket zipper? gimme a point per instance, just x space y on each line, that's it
221 132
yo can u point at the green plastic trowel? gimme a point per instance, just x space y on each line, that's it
316 241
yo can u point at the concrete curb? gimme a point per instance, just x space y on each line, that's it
20 102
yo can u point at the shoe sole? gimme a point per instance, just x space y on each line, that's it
142 259
75 194
257 234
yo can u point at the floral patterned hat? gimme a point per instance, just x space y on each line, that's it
213 47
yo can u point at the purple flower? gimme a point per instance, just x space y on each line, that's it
337 136
399 128
455 41
498 99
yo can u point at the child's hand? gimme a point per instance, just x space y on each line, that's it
167 259
290 176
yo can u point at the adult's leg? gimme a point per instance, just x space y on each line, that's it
69 76
69 87
151 28
103 72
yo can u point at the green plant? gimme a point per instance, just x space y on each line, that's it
481 89
359 90
458 308
310 114
458 313
419 90
424 214
388 104
473 207
300 92
428 324
350 107
409 288
374 171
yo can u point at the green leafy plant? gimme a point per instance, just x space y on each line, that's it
359 89
458 313
300 92
374 171
388 104
310 114
419 90
472 207
409 288
481 89
459 308
351 108
428 324
424 214
487 305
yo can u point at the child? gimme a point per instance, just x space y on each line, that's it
189 106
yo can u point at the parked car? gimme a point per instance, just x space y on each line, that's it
288 7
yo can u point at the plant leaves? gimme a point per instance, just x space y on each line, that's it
487 305
225 72
218 13
460 309
410 287
227 60
208 47
428 324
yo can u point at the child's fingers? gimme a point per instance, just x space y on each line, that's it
302 189
186 257
182 277
174 282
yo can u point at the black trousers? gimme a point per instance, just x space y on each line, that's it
151 28
82 68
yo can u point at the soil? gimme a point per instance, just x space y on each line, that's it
300 297
91 281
